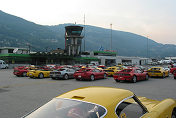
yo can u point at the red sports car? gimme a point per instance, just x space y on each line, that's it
131 74
173 70
89 74
21 71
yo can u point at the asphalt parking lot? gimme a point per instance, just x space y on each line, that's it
20 95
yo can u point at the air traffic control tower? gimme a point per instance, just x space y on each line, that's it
73 39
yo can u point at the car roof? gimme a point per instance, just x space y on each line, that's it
99 95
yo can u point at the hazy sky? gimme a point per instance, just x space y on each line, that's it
153 18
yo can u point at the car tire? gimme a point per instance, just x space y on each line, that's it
174 72
66 76
105 76
174 77
117 80
146 77
53 78
173 114
134 79
41 75
92 77
164 75
24 74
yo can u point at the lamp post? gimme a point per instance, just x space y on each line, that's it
147 50
111 37
84 34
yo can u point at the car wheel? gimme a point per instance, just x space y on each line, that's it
92 77
164 75
134 79
174 77
41 75
117 80
24 74
66 76
104 76
146 77
174 72
173 114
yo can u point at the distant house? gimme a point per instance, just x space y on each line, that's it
10 50
58 50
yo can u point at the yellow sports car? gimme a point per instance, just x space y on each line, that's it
111 70
104 102
38 73
158 72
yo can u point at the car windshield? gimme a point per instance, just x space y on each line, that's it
62 69
155 68
67 108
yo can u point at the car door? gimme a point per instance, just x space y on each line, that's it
98 73
94 73
138 74
70 72
142 75
102 73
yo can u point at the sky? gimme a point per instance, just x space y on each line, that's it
155 19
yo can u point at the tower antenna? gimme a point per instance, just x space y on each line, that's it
84 33
111 37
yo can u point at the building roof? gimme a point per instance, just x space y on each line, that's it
13 48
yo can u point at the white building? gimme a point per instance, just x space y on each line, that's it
9 50
110 58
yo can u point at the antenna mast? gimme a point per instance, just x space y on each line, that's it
84 33
111 36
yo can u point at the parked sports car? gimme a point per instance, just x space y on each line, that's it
130 74
20 71
111 70
158 72
173 70
64 73
104 102
38 73
89 74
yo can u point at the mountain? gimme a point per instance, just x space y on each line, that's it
125 43
18 32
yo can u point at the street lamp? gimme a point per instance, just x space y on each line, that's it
111 36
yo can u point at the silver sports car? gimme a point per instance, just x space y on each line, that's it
64 73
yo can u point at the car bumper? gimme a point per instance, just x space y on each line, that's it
123 78
155 74
31 75
56 76
17 73
81 77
